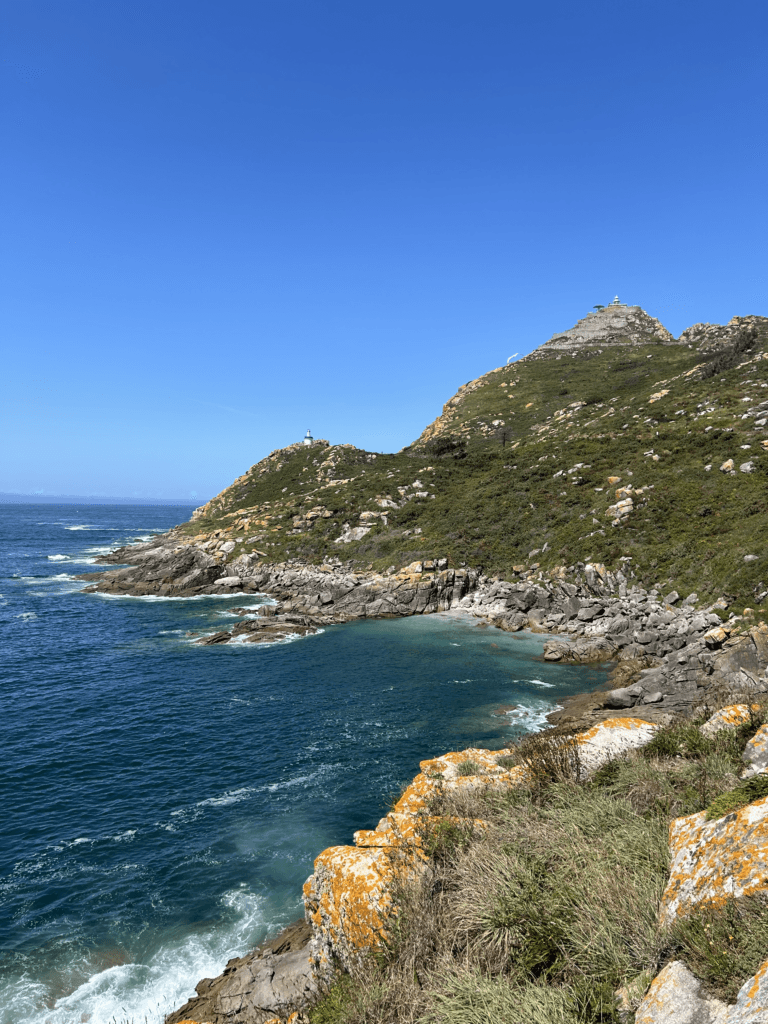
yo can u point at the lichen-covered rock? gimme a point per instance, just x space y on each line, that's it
349 898
726 718
676 997
612 738
715 860
756 753
752 1001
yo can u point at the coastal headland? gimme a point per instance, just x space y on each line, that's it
608 490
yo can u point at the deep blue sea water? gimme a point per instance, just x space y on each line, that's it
162 802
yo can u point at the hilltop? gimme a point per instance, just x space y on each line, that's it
612 442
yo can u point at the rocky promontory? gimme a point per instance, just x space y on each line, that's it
606 491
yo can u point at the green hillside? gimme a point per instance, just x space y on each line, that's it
519 470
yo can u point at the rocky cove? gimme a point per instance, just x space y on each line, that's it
670 658
670 655
609 455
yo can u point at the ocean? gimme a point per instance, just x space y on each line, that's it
162 802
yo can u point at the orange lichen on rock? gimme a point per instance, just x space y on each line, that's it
349 898
677 997
756 753
295 1018
728 718
612 738
715 860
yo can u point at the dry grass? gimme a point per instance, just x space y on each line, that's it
551 908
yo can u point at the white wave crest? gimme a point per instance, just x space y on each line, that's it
26 615
234 796
532 717
540 682
58 558
144 991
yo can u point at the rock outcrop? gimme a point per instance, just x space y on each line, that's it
616 324
713 861
276 978
711 337
676 997
349 899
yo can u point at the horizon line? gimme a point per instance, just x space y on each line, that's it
22 497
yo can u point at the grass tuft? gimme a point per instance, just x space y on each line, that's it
724 946
745 793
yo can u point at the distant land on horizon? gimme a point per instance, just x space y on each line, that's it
10 497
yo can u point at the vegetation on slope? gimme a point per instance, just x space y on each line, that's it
521 469
552 909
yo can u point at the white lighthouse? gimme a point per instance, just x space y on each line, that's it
308 439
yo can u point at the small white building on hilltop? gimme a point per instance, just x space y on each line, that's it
308 439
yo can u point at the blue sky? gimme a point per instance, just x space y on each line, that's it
225 222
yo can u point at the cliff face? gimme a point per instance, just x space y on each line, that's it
713 337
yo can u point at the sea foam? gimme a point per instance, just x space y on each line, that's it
148 990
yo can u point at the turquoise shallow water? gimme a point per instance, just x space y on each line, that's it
162 802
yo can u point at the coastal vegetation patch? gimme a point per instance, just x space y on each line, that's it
550 911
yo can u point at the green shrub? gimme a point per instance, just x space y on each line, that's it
683 739
333 1006
469 767
507 762
445 838
745 793
549 757
566 888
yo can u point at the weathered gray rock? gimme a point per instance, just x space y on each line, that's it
620 698
615 324
756 753
274 980
676 997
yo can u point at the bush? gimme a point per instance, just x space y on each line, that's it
753 789
470 998
548 757
566 889
730 356
445 838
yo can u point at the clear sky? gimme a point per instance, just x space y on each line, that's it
226 221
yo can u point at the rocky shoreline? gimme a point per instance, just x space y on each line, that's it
670 658
669 655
